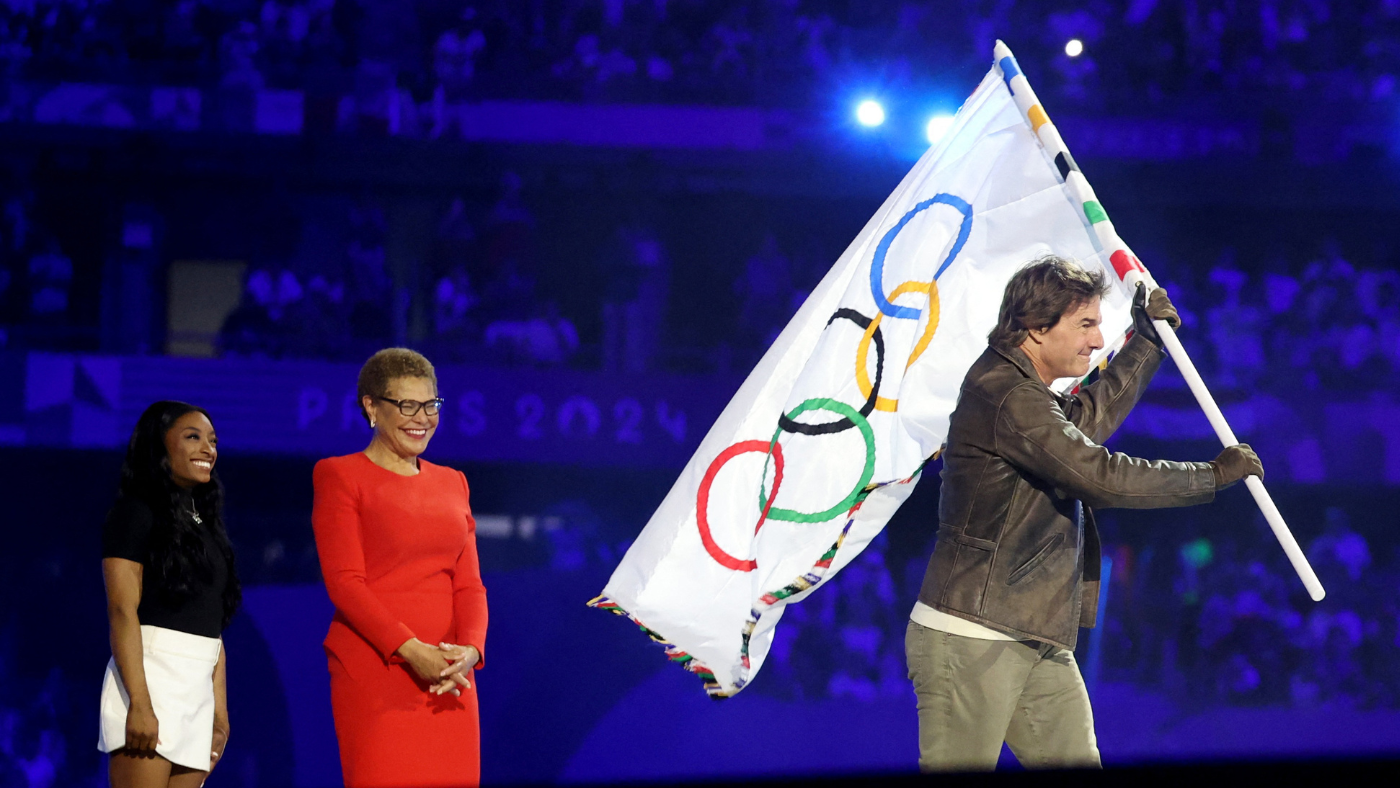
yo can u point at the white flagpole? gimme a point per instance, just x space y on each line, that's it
1254 483
1131 271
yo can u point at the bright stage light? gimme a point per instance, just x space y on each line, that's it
1074 47
938 125
870 113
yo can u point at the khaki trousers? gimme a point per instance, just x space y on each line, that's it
974 694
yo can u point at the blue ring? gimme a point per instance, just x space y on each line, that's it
877 266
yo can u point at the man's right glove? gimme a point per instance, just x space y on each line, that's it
1235 463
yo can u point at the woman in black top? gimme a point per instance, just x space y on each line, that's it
171 590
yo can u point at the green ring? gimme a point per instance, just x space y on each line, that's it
831 406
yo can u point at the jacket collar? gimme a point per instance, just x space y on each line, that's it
1022 362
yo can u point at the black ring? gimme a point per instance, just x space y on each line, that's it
841 425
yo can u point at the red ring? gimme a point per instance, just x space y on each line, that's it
702 499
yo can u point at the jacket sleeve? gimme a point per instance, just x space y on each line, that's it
468 593
1098 410
1033 434
335 518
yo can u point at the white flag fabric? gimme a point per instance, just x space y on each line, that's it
826 437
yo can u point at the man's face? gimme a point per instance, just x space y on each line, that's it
1064 348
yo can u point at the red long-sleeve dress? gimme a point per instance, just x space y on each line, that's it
398 554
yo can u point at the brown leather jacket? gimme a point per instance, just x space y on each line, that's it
1017 551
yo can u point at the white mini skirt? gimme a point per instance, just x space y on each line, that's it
180 677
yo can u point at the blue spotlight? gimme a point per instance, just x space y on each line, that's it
870 113
938 125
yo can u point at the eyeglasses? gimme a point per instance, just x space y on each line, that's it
410 407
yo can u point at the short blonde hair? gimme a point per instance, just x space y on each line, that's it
388 364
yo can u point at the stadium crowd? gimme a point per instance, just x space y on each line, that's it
1198 611
790 52
488 292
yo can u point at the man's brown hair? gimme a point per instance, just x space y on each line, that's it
388 364
1040 294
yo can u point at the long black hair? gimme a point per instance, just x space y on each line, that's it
178 555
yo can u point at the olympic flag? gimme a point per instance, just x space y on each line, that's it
828 434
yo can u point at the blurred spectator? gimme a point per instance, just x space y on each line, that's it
454 304
765 291
12 269
456 300
285 30
238 51
454 66
50 279
15 226
870 653
289 293
1235 327
510 295
456 243
1340 553
315 321
637 276
7 288
377 106
1383 307
545 339
183 31
1339 343
1285 331
250 330
575 533
370 293
509 234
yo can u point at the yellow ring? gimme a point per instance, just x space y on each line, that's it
863 349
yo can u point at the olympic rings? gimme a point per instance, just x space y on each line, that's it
841 425
886 404
867 473
702 500
877 265
849 416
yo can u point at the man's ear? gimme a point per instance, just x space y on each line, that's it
1037 335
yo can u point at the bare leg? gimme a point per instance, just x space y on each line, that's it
138 769
130 769
185 777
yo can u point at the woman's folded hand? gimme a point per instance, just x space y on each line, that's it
454 676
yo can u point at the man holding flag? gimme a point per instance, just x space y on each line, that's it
886 362
1015 569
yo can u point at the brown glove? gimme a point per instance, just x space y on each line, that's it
1235 463
1156 306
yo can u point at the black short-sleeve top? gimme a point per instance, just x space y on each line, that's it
127 534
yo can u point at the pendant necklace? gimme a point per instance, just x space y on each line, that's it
194 515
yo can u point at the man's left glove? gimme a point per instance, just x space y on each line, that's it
1147 308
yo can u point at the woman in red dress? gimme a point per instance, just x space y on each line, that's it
397 544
